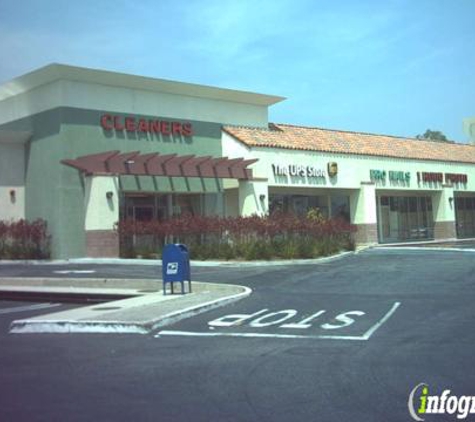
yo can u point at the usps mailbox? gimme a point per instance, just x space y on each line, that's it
176 267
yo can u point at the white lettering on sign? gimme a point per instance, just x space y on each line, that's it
172 268
344 319
263 318
297 170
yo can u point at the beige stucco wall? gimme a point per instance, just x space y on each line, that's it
253 198
12 181
64 86
444 206
363 205
101 212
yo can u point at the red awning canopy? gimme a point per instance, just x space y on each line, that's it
154 164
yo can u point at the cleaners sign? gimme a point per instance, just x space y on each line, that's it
133 124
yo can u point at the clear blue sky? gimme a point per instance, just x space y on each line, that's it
384 66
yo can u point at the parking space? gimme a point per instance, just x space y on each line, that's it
373 324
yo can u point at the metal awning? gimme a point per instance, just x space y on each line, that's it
154 164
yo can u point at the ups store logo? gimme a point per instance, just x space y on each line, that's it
332 169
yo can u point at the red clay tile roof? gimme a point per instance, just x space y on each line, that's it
342 142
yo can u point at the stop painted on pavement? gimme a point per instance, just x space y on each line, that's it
343 324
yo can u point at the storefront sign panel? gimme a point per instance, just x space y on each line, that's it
396 177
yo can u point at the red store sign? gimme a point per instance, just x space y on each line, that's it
456 178
439 177
132 124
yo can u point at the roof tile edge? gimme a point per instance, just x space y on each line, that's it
420 142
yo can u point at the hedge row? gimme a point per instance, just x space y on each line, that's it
24 240
270 237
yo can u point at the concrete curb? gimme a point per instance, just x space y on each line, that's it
425 249
155 262
429 243
30 326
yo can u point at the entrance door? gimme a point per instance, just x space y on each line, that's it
142 212
385 223
465 217
387 219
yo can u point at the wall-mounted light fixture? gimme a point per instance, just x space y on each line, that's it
109 194
262 197
12 195
451 200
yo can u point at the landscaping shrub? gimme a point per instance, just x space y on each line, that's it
284 236
24 240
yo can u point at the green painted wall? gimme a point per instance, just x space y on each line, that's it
56 192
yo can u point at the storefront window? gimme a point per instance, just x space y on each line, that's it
140 208
405 218
158 207
186 204
146 207
340 207
297 204
394 203
301 204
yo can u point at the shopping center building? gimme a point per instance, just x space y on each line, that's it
86 148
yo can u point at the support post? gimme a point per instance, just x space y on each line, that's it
363 214
253 197
444 213
102 212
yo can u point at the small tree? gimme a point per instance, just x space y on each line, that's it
433 135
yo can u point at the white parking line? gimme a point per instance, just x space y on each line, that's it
26 308
366 336
257 335
372 330
74 271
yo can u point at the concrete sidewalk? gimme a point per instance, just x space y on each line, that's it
141 309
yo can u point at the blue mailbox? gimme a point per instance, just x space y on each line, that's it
176 266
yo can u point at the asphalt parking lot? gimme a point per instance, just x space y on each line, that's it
346 340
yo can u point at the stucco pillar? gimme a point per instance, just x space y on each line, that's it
102 212
364 215
444 213
253 197
12 181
